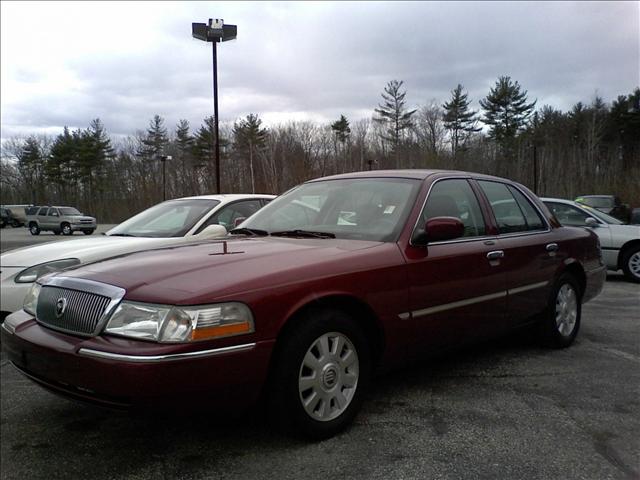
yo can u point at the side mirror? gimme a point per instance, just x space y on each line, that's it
238 221
591 222
213 231
439 229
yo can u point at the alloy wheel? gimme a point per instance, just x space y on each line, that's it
566 309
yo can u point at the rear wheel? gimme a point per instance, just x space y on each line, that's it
561 320
631 264
34 229
66 229
321 371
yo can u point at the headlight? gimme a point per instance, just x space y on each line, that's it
30 304
164 323
31 274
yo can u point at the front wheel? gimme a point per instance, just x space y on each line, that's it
561 320
66 229
321 371
34 229
631 264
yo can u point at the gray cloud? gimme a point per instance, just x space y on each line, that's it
322 59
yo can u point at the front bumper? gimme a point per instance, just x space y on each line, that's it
122 373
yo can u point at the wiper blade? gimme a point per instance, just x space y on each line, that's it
302 234
121 235
249 231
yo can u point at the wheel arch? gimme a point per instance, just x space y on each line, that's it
356 308
575 268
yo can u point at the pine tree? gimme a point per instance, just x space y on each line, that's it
249 137
459 119
156 140
31 166
506 111
393 114
58 168
342 133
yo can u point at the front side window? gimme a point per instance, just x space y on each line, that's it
229 214
69 211
568 215
455 198
43 211
357 208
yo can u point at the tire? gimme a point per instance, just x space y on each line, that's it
88 232
561 320
34 229
66 229
327 357
631 264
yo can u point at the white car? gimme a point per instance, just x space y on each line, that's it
620 242
165 224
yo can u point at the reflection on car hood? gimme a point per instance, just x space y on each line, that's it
204 272
85 249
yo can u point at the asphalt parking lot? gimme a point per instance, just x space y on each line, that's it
11 238
507 409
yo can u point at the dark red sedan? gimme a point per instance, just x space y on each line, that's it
302 303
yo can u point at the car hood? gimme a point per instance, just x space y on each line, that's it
86 249
208 271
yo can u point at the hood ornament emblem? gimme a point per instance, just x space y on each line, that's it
61 307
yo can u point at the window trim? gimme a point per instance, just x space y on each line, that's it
199 227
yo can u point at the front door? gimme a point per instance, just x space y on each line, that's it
457 288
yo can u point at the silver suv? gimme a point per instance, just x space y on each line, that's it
65 220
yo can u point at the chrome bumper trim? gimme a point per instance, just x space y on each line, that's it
87 352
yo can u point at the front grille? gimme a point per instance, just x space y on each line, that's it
82 312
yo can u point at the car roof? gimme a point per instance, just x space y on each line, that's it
227 197
418 174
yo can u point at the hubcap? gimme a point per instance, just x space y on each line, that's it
566 309
328 376
634 264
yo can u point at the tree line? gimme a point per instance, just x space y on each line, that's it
592 148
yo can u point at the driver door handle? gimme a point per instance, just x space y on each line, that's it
552 247
495 255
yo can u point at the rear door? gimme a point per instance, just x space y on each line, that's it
531 252
53 218
42 217
456 290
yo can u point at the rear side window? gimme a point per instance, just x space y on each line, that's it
505 208
531 215
455 198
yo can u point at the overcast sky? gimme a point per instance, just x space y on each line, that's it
66 63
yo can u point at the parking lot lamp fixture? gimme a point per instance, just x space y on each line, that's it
215 31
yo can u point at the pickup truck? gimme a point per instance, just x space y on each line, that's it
65 220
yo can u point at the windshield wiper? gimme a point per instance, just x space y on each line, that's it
302 234
121 235
249 231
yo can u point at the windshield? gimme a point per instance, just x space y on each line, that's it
168 219
69 211
600 215
362 208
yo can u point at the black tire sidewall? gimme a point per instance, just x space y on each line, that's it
63 226
285 405
550 334
34 229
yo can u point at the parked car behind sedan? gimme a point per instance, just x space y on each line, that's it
298 307
168 223
609 204
620 243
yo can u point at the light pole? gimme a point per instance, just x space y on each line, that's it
163 159
215 31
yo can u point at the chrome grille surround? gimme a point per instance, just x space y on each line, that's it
88 304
